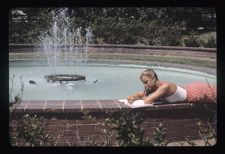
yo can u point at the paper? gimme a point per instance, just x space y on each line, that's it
137 104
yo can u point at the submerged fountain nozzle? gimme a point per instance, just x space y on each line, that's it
64 77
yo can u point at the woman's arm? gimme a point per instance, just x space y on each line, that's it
156 95
136 96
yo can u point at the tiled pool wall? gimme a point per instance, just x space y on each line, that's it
64 119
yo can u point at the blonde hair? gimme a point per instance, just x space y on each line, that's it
149 72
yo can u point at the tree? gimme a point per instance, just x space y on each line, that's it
116 25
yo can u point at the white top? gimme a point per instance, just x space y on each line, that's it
179 95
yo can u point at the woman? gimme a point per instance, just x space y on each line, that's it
163 91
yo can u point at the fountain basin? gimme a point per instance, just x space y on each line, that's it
102 81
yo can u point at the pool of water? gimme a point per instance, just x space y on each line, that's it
103 81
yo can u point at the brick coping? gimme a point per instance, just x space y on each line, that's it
74 106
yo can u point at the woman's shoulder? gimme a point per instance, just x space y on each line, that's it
169 86
166 83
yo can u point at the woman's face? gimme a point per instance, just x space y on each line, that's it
149 82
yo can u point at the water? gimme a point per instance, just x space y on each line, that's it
102 81
64 37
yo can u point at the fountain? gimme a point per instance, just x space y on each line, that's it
64 45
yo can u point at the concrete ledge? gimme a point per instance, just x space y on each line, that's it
212 142
73 106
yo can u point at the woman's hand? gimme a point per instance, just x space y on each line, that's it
130 99
135 97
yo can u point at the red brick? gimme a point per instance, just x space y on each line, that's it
87 126
52 127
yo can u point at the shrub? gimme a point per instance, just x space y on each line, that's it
30 132
207 40
211 42
192 41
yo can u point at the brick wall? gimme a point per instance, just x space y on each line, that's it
63 119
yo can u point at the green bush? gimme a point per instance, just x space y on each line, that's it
30 132
211 42
171 35
192 41
207 40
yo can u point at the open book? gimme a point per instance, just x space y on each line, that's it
138 103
